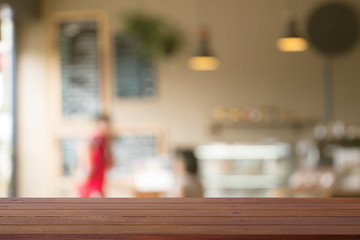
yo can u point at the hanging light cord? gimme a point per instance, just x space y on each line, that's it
202 12
290 12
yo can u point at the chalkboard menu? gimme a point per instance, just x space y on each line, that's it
70 151
128 150
78 46
131 150
134 73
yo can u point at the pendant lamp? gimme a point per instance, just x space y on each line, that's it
204 60
291 40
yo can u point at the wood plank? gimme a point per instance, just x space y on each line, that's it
165 206
181 200
192 213
178 229
121 221
175 237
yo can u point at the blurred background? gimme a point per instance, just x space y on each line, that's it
263 93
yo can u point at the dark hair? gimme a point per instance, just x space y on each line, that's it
102 118
189 159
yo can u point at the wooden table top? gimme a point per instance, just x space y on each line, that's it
226 218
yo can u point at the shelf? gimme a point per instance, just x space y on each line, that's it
295 125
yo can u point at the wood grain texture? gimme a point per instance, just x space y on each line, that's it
145 219
175 237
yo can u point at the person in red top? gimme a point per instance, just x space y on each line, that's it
100 159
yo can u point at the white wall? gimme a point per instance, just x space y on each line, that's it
253 73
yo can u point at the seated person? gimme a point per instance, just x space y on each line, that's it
187 180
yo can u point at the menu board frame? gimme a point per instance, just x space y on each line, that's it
65 185
140 132
104 65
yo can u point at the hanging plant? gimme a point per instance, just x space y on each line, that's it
156 36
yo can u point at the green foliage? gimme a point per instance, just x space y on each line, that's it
156 36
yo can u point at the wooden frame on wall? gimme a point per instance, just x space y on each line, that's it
103 52
65 180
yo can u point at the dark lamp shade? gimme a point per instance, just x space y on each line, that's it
204 60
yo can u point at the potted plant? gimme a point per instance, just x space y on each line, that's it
156 37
